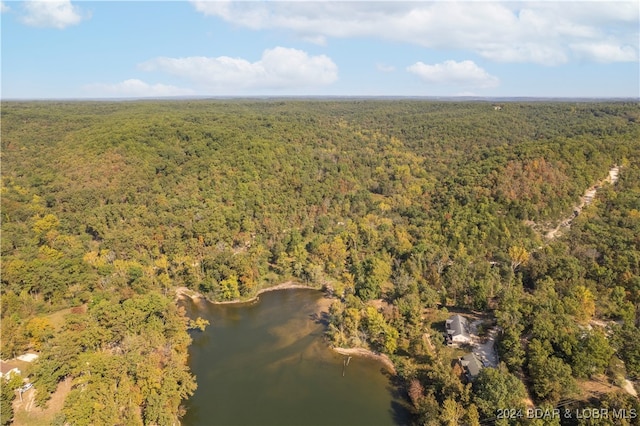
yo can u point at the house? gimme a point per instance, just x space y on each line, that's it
457 330
28 357
497 108
7 368
471 366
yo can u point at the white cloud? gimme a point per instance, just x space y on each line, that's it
385 68
541 32
605 52
3 7
452 73
52 14
135 88
278 68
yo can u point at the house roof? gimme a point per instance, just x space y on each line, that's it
457 325
472 364
28 357
7 366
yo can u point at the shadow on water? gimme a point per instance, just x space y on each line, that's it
400 413
272 358
395 387
400 410
321 319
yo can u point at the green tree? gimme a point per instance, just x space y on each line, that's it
551 376
382 335
592 356
7 395
372 274
496 387
451 413
13 339
628 347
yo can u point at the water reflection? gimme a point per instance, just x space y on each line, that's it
267 364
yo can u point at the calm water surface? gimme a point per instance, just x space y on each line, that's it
267 364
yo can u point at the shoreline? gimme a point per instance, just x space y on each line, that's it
367 353
196 296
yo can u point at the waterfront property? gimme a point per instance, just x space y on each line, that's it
457 330
471 366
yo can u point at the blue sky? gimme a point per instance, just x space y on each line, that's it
87 49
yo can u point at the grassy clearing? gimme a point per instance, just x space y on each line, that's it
28 414
57 318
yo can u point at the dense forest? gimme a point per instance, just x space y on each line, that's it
402 210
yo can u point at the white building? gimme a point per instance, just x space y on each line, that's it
458 330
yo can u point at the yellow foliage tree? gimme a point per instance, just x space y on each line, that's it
45 224
586 303
38 330
519 256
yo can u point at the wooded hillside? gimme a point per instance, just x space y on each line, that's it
111 206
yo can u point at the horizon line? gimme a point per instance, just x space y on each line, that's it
328 97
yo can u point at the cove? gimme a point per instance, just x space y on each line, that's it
266 363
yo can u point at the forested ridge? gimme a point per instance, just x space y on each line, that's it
108 207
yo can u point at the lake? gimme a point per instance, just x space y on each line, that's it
267 363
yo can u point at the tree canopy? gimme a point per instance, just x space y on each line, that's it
397 207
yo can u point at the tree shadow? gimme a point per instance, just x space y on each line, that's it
322 318
400 413
401 410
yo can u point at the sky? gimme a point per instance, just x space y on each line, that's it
123 49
